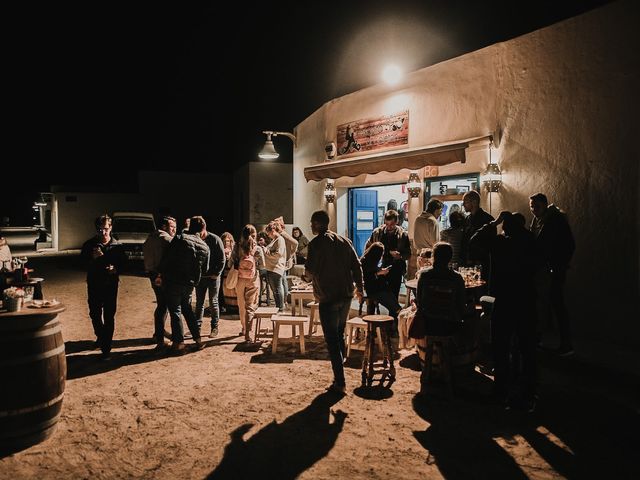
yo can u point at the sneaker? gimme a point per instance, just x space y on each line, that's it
565 351
214 332
199 344
178 348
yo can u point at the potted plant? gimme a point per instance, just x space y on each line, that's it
13 298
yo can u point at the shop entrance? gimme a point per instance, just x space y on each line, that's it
450 190
367 206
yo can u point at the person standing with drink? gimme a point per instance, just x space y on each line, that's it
104 258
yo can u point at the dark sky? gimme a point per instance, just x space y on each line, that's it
123 86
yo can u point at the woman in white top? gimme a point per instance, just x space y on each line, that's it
275 262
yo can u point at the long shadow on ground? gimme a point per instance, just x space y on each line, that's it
283 450
580 429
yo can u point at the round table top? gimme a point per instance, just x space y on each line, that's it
377 318
24 283
29 310
413 284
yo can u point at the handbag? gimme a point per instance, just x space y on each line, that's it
417 325
232 278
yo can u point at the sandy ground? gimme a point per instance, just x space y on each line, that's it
234 412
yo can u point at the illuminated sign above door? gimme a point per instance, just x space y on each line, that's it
373 134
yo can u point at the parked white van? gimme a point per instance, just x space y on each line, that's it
132 229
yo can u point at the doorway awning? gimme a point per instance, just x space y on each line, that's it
436 155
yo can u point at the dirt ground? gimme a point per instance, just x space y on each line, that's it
234 412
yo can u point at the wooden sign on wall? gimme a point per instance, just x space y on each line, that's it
373 134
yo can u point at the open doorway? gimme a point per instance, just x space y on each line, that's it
367 206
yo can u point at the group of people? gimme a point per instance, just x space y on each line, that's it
194 260
512 263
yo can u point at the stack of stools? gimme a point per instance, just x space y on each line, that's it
383 324
356 327
440 348
314 316
260 313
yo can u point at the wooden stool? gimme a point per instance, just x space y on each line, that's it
314 316
355 325
288 320
383 323
440 348
260 313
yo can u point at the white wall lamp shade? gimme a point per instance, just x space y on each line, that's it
269 152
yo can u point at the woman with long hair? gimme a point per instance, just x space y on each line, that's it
303 245
248 286
226 299
375 282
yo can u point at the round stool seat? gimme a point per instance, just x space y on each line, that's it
377 318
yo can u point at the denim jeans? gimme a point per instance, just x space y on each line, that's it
212 285
179 302
333 317
160 313
275 282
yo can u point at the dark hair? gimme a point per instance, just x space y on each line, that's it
102 220
166 220
391 215
433 205
442 253
472 195
197 224
247 242
456 219
372 254
294 230
321 217
540 198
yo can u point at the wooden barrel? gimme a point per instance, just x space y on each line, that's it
230 297
33 371
465 349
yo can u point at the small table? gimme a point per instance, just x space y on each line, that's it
298 296
260 313
412 287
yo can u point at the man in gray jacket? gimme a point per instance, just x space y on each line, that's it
154 248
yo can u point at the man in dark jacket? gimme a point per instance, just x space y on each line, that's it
210 281
513 262
397 249
181 268
104 258
470 255
556 244
333 267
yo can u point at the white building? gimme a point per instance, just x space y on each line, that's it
560 104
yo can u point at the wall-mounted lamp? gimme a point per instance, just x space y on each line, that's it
330 192
414 185
492 176
268 152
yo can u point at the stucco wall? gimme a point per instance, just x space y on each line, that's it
561 102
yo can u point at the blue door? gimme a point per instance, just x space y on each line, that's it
363 216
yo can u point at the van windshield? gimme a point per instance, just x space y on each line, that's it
132 225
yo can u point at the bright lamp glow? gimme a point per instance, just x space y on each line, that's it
269 152
392 74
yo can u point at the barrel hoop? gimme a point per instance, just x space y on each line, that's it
40 426
28 335
32 358
40 406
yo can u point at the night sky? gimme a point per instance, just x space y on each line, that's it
123 86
